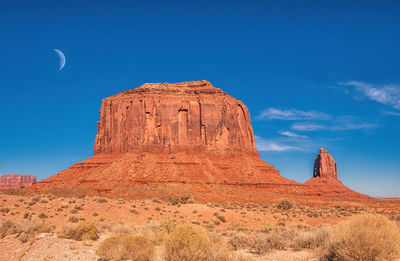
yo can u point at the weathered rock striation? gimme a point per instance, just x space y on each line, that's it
163 117
164 139
10 181
324 165
325 179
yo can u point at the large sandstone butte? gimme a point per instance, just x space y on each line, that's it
11 181
164 139
325 179
189 116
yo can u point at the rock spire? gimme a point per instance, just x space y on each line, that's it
324 165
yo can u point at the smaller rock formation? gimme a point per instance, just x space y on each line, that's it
324 165
10 181
325 180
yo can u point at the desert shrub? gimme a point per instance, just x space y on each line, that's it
261 243
222 218
8 228
42 215
82 231
73 219
219 250
29 230
311 239
101 200
181 200
168 225
27 215
152 231
26 231
186 243
121 229
124 246
4 210
285 204
364 237
134 211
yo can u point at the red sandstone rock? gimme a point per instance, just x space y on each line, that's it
16 181
183 138
163 117
325 179
324 165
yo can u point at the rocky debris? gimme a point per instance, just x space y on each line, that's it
324 165
10 181
47 247
163 139
325 180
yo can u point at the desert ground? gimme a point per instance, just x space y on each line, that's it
45 227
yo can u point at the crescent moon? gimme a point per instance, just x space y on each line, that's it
62 58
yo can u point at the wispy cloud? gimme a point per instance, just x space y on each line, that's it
308 127
269 145
291 115
391 113
338 124
353 126
350 123
385 94
292 134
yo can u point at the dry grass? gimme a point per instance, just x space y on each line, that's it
7 228
258 242
311 239
26 231
364 237
186 243
285 204
30 229
83 231
124 246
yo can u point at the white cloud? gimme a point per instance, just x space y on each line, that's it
386 94
292 134
392 113
338 126
353 126
291 115
268 145
350 123
308 127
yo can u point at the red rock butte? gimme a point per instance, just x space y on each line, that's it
162 117
164 139
11 181
325 179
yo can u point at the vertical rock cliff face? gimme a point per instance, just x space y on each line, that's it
325 180
16 181
164 139
324 165
162 117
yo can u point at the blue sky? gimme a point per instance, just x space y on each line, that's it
312 73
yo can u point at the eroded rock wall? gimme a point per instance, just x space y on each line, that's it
16 181
162 117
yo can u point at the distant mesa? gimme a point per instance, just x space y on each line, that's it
164 139
325 179
11 181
